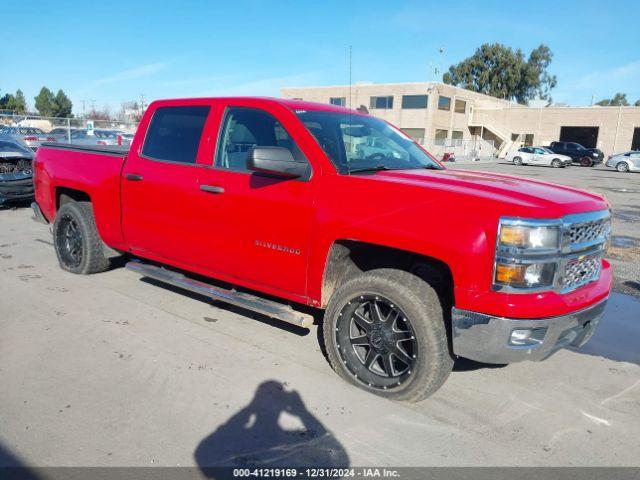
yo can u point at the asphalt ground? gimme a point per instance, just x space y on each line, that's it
114 370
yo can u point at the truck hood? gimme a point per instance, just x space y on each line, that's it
550 199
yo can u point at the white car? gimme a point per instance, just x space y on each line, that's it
625 162
538 156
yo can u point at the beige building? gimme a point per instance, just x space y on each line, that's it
443 116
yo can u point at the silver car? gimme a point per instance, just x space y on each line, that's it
99 137
32 137
538 156
625 162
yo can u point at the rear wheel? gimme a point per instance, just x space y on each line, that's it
76 240
622 167
384 332
555 163
517 161
586 162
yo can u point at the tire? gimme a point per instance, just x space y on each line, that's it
427 360
74 230
586 162
555 163
622 167
517 161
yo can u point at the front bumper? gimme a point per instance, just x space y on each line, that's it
486 338
16 190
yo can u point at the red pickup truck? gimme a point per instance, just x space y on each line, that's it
273 205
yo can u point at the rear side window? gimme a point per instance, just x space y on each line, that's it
174 133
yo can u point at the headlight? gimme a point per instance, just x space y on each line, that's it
534 275
529 237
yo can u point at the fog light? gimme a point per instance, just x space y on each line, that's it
527 336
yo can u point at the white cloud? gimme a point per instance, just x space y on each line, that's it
137 72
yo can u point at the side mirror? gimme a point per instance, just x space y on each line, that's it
276 161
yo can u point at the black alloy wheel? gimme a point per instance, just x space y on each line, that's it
586 162
376 342
69 242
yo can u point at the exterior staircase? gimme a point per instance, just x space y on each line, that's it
478 119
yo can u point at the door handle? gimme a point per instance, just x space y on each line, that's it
134 177
211 189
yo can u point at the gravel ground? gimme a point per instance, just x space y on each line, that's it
622 191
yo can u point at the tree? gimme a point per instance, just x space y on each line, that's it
20 102
637 104
62 105
499 71
45 102
619 99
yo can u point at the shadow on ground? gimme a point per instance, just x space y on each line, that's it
274 430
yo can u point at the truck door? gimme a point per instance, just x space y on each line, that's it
160 186
263 224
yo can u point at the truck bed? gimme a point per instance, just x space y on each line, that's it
116 150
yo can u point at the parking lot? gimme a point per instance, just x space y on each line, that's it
112 370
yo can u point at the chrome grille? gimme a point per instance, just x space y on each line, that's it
581 271
587 232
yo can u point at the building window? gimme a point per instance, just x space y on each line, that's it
339 101
456 135
296 98
415 101
528 139
441 136
382 102
444 103
461 106
416 133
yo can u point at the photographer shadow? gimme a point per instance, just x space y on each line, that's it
254 437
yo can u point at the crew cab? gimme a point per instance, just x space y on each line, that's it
587 157
269 204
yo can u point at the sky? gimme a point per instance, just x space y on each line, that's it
113 51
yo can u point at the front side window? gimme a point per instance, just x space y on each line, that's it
174 134
339 101
444 103
361 143
414 101
382 102
461 106
245 128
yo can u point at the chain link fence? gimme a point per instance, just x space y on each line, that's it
73 130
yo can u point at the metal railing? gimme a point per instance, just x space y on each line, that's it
477 149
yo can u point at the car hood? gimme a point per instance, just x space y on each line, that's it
519 194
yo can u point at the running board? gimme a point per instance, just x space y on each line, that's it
239 299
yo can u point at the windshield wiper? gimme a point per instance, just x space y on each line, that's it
376 168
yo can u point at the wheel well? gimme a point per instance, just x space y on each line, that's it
66 195
348 258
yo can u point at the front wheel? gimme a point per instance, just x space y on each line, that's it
622 167
556 163
77 243
384 332
586 162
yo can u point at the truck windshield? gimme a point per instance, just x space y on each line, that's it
358 143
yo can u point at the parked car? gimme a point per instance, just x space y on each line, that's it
538 156
31 136
61 134
15 170
625 162
99 137
412 263
587 157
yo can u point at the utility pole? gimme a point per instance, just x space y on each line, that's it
142 104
